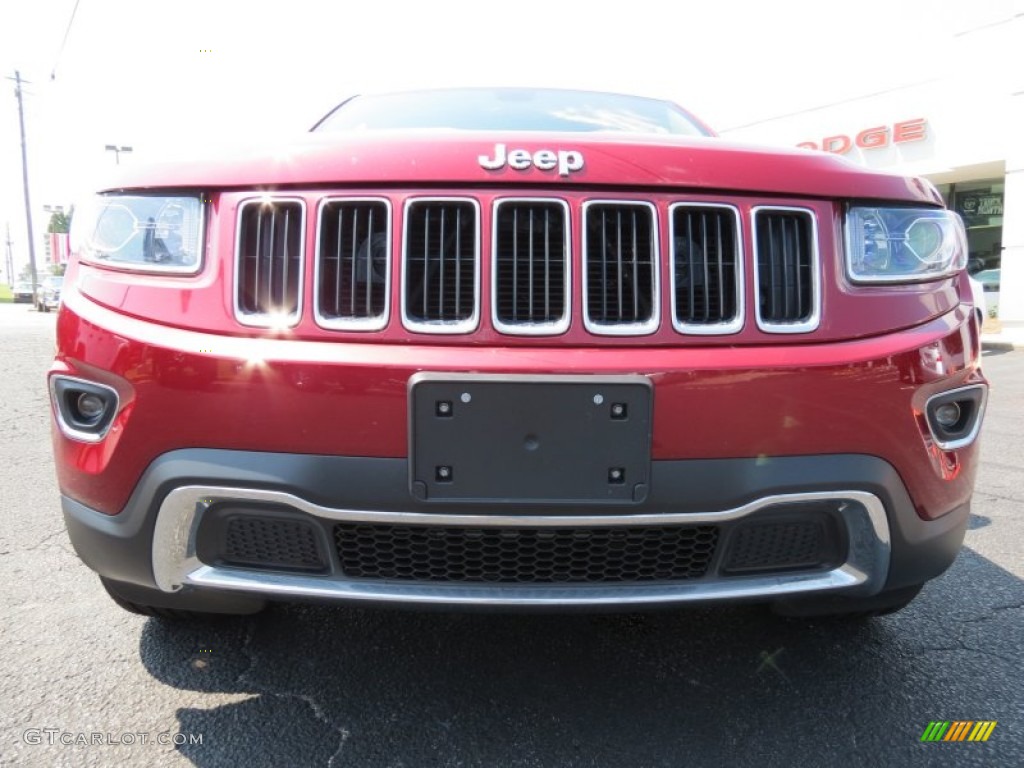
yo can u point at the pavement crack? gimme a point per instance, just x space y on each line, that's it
247 652
993 612
44 541
321 716
246 680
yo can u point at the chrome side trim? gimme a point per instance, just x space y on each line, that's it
736 324
287 586
175 563
963 442
812 323
66 429
461 326
353 324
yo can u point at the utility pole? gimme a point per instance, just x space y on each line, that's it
24 180
9 262
117 152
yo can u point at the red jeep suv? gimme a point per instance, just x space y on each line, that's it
516 348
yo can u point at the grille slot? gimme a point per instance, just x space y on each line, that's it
353 266
271 543
621 275
786 270
441 247
269 261
531 275
788 545
525 555
706 269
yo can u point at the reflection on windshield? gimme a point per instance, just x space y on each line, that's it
512 109
609 120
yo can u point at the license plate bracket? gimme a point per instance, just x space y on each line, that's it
539 439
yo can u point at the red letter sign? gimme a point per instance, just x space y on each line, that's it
873 137
908 130
830 144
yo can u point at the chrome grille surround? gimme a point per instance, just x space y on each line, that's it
251 310
471 321
810 318
727 326
368 321
529 327
652 320
269 289
176 562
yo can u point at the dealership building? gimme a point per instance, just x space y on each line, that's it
963 130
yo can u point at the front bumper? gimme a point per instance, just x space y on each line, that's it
158 540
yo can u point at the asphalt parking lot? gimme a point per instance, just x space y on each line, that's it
83 683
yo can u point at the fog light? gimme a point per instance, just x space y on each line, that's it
85 410
948 414
90 406
954 417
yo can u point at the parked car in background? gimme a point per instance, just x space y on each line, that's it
989 279
48 293
503 347
23 293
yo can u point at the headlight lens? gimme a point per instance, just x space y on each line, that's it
152 233
903 245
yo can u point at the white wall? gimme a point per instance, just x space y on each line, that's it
972 96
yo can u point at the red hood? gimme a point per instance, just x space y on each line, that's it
453 158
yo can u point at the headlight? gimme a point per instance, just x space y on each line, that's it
152 233
903 245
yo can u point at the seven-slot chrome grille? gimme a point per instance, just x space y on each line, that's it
531 264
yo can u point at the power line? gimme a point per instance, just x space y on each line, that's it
60 52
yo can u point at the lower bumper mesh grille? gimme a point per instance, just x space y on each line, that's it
271 543
525 555
781 545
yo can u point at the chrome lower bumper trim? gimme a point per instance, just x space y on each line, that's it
175 563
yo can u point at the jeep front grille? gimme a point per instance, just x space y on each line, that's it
353 264
706 269
620 254
544 256
269 261
441 254
525 555
787 269
531 266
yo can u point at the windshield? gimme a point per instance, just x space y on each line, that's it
511 109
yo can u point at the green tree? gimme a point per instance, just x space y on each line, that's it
60 221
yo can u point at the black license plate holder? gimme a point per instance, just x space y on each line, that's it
539 439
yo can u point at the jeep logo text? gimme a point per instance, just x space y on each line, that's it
565 160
